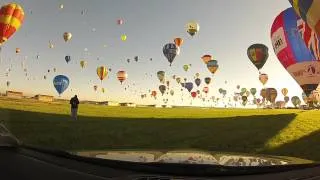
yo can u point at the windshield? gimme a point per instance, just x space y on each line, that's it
222 82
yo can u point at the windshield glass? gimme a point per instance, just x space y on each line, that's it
222 82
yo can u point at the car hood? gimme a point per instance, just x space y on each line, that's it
194 157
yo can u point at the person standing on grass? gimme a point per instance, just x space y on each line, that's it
74 107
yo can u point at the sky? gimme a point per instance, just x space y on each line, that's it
227 29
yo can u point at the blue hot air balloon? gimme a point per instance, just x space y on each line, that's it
61 83
170 50
189 86
68 59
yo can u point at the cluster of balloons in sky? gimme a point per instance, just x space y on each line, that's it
295 36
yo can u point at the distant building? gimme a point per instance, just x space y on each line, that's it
14 94
128 104
44 98
109 103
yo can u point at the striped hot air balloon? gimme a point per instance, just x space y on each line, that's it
102 72
122 76
11 19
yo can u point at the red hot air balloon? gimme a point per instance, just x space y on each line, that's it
11 19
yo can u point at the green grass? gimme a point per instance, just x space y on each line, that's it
275 132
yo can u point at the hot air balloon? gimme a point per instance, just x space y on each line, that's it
102 90
61 6
83 64
67 36
161 76
253 91
122 76
51 45
244 98
197 82
286 99
178 79
120 21
136 58
18 50
162 89
212 66
12 16
284 91
271 94
205 90
289 36
263 78
8 83
123 37
309 11
154 94
198 91
186 67
61 83
238 86
67 58
95 87
296 101
258 54
263 93
44 77
197 75
102 72
170 51
207 80
189 86
178 41
167 83
192 28
206 58
193 94
171 92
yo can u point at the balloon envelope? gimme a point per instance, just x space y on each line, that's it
197 82
61 83
192 28
12 16
170 51
309 11
263 78
67 36
178 41
212 66
289 36
189 86
258 55
122 76
102 72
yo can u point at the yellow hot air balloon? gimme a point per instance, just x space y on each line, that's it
284 91
123 37
192 28
102 72
11 19
67 36
83 64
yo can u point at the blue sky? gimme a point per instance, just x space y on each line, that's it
227 29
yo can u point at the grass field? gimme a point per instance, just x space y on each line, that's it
277 132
